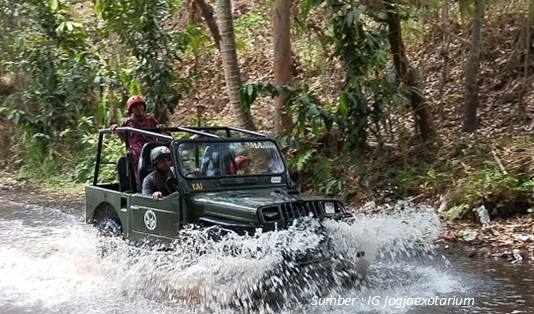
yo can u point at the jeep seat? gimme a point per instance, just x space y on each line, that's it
126 174
144 166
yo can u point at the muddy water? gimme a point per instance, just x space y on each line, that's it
49 264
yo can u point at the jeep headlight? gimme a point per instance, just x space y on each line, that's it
329 208
271 214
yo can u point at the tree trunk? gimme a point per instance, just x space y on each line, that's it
423 118
470 122
230 64
445 54
207 13
282 63
521 110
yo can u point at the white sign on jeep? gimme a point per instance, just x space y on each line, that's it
276 179
150 220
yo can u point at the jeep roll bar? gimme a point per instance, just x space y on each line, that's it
126 130
227 129
197 130
205 130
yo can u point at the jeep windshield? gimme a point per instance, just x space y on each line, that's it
229 157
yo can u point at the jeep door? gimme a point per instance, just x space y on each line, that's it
155 221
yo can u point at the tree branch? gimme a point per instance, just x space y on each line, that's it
499 163
207 13
448 32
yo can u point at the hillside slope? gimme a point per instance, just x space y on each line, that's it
501 77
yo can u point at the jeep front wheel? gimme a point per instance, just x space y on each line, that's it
110 227
109 231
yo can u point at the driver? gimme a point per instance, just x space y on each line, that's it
155 183
244 165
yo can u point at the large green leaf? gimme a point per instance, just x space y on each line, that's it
54 5
343 107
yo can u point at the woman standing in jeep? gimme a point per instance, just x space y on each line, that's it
137 118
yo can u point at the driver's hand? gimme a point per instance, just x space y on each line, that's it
156 195
112 128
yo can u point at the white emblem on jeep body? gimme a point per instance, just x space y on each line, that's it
150 220
276 179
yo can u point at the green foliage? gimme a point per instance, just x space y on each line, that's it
250 92
50 58
68 72
362 47
322 174
490 180
466 7
432 176
325 179
35 163
506 186
312 52
83 170
361 51
250 23
322 170
73 76
310 114
303 158
194 38
154 49
306 7
456 212
365 93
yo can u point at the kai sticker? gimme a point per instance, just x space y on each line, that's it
197 186
150 220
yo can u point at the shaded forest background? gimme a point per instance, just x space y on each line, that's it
373 100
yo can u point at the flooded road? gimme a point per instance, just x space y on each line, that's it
49 264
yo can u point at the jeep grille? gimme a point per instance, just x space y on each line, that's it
295 210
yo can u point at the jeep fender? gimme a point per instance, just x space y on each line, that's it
103 212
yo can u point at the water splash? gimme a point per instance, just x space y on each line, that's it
239 271
53 264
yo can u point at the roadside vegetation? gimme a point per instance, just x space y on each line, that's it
371 100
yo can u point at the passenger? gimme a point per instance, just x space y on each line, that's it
137 118
155 182
244 165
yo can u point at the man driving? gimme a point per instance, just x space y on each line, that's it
155 183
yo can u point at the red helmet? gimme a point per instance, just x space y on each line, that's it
238 161
135 100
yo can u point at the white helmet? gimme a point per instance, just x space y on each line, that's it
158 152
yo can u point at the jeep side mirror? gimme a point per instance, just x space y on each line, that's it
172 183
294 175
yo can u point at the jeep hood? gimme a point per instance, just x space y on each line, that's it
248 200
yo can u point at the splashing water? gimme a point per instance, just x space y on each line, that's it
51 264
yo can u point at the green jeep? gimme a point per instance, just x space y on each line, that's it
210 188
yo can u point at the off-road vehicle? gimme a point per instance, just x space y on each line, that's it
211 188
